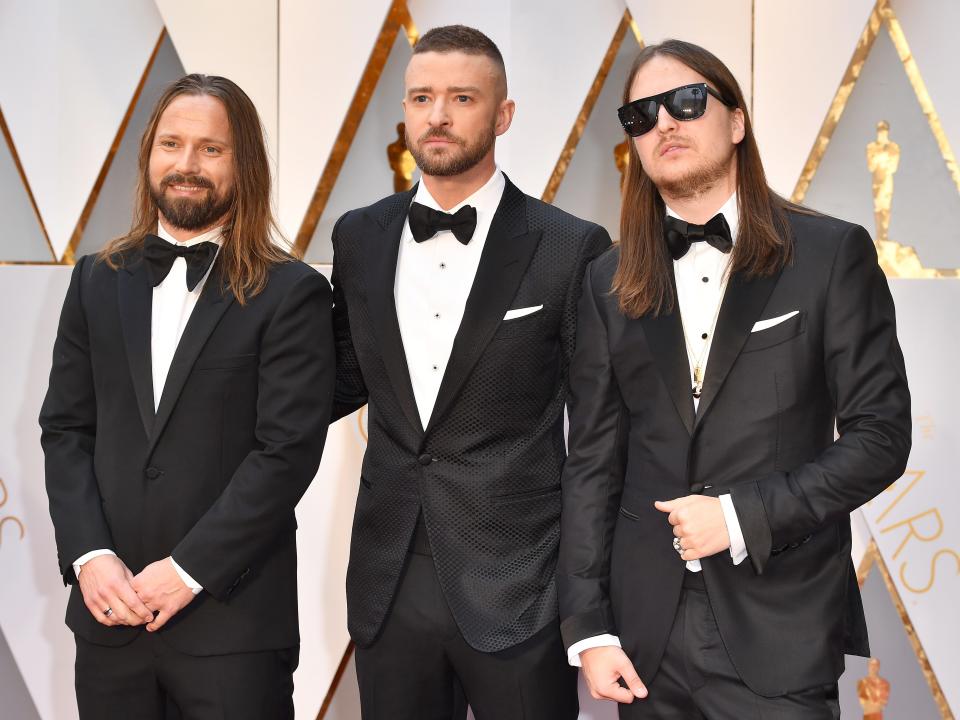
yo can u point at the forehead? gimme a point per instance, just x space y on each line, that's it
195 114
662 73
440 70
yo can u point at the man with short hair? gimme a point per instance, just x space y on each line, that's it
454 311
705 500
191 385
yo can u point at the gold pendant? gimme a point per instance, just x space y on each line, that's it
697 381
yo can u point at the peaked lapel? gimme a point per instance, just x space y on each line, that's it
742 304
213 302
135 299
506 253
381 246
664 335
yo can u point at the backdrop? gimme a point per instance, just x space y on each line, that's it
77 81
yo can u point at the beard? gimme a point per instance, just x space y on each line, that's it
187 213
464 158
695 181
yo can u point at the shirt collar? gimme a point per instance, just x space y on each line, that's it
486 199
215 236
730 213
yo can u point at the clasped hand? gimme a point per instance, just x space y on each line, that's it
150 598
698 522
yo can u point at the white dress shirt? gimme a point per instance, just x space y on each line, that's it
432 284
172 306
701 277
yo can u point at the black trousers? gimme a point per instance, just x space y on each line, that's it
421 668
697 680
149 680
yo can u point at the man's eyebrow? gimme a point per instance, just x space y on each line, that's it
463 89
418 90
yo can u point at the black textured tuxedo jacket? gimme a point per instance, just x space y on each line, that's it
763 432
486 470
211 478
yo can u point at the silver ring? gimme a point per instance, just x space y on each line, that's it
676 545
108 612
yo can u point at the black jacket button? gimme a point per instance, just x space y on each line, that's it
425 459
152 473
696 488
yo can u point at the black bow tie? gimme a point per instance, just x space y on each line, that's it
680 235
426 222
160 254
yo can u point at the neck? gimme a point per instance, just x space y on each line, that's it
702 205
181 235
454 189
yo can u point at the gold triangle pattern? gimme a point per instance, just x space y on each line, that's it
398 17
896 260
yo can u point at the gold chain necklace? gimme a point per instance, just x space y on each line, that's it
698 360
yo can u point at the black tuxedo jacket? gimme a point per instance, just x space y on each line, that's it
211 478
764 432
486 469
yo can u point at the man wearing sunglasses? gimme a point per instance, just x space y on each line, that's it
705 547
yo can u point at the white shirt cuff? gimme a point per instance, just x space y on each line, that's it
87 557
573 654
738 548
187 580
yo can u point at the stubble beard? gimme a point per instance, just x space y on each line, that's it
695 182
446 164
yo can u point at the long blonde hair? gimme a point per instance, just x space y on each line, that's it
248 248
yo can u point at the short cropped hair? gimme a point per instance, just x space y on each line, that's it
460 38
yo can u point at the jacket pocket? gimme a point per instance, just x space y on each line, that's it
526 495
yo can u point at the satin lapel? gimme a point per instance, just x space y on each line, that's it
664 335
213 302
381 247
743 302
135 299
506 254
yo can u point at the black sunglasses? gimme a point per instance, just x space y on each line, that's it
683 103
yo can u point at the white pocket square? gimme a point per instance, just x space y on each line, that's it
765 324
520 312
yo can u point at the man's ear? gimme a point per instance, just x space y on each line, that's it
737 126
505 113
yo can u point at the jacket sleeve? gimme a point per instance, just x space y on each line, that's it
295 394
594 244
592 479
351 392
868 387
68 422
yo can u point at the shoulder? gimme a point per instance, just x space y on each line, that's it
601 269
295 272
383 211
550 218
816 231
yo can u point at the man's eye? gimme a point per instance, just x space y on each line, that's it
463 98
420 98
210 150
167 143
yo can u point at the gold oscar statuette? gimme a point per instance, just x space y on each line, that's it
896 260
401 161
873 692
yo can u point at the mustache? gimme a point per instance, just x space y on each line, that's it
441 134
671 140
179 179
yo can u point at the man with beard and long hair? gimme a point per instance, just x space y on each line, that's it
454 313
705 547
191 386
